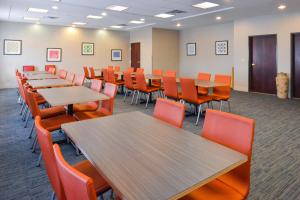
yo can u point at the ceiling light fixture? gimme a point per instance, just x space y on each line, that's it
136 22
130 28
116 8
164 15
218 18
31 18
37 10
178 25
94 17
56 0
79 23
142 19
116 26
54 7
282 7
205 5
104 14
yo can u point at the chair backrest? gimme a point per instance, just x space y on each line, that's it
171 73
52 70
224 90
204 76
158 72
28 68
62 74
105 75
96 85
130 69
86 72
141 81
169 111
110 67
111 76
77 186
128 80
117 68
46 145
92 72
48 67
110 90
237 133
32 103
21 82
139 70
70 76
170 87
188 90
79 80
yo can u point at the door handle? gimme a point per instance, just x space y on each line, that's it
253 65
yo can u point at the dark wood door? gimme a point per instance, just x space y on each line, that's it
135 54
295 73
262 64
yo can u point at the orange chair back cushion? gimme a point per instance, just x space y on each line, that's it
188 90
171 73
28 68
139 70
111 76
157 72
225 90
96 85
86 72
117 68
204 76
141 81
70 76
79 80
62 74
110 90
48 67
170 87
128 80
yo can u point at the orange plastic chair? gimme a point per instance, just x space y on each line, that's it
203 77
107 106
169 111
48 67
113 79
139 70
52 70
70 77
129 85
105 75
130 69
117 68
79 80
171 73
110 67
189 94
234 132
141 87
62 74
170 88
28 68
93 75
86 72
222 94
157 82
90 106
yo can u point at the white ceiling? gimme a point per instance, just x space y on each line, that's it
76 10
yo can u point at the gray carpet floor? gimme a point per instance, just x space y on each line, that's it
276 151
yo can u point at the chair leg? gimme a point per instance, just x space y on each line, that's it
133 95
53 196
34 144
126 91
148 96
27 119
212 105
22 107
199 112
31 131
25 112
229 107
39 160
138 97
77 151
221 105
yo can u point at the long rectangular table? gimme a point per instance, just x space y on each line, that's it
41 76
144 158
48 83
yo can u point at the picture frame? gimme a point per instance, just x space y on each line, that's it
116 55
191 49
221 47
87 48
12 47
54 54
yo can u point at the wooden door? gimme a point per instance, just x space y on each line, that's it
135 55
295 72
263 64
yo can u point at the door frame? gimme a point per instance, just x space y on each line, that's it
293 64
250 37
131 54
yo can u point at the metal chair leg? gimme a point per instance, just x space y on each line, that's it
126 91
22 107
39 160
138 97
34 144
31 131
133 95
53 196
199 112
229 107
25 112
148 97
221 105
27 119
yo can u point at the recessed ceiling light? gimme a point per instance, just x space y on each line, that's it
79 23
104 14
117 8
116 26
73 26
164 15
218 18
104 28
38 10
142 19
94 17
54 7
282 7
56 0
136 22
178 25
205 5
32 18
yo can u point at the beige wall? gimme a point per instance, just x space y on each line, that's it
165 49
205 59
36 38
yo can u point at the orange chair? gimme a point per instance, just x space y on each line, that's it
234 132
112 78
189 94
70 77
130 69
157 82
79 80
170 88
79 185
86 72
203 77
48 67
129 86
62 74
90 106
171 73
28 68
105 75
169 111
222 94
52 71
117 68
107 106
110 67
93 74
142 88
139 70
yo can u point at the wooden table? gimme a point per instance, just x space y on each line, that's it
146 159
41 76
70 95
47 83
35 72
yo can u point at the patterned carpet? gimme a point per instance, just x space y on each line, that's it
275 164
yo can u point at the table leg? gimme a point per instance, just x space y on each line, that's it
70 109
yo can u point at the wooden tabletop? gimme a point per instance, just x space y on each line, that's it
46 83
41 76
70 95
147 159
35 72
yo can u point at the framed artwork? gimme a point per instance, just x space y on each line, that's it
116 55
191 49
54 54
87 49
12 47
221 47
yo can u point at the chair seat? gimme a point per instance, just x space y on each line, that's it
202 91
54 123
150 89
51 112
88 169
217 97
90 106
91 115
214 190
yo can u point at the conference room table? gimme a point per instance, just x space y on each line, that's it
49 83
40 76
68 96
35 72
142 157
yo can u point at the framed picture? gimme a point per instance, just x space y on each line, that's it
221 47
54 54
87 48
116 55
191 49
12 47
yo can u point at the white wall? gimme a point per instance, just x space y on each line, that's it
144 36
36 38
206 60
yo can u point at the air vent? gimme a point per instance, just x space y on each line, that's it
176 12
52 17
122 25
